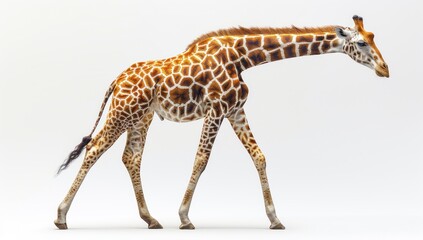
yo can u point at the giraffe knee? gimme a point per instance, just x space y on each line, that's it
200 163
128 158
260 162
131 159
200 166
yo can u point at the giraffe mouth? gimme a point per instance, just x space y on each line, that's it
382 71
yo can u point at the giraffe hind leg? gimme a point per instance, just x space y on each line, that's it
132 161
98 145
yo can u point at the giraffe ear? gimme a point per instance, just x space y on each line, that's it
342 33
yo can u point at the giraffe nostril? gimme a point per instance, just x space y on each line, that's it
384 66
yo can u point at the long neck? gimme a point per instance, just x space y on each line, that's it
255 50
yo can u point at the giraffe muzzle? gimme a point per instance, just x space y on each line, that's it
382 70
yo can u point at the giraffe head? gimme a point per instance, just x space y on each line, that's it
359 45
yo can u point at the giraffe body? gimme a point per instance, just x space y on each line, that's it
205 82
183 88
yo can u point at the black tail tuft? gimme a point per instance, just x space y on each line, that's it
78 149
75 153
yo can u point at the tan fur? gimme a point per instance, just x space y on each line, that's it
239 31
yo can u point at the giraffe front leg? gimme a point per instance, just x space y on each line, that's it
132 159
98 145
208 135
242 129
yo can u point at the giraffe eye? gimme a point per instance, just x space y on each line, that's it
361 43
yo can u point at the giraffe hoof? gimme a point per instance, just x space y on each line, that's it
187 226
61 226
155 225
277 226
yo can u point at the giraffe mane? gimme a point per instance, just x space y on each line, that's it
237 31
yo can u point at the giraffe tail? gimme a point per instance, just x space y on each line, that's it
85 140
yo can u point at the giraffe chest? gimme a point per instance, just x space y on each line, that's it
186 99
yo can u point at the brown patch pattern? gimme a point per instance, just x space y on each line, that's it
240 31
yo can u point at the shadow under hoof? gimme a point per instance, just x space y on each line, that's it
278 226
61 226
187 226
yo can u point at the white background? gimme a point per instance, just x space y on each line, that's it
344 147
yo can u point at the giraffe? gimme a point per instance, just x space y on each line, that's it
205 81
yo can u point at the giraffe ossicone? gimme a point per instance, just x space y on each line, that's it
205 82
